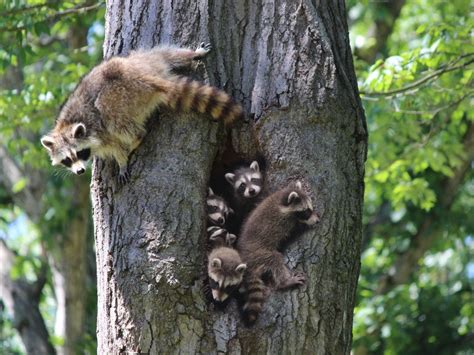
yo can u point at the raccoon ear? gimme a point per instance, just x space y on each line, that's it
216 262
230 178
241 268
210 192
47 142
79 131
298 185
293 197
255 166
231 238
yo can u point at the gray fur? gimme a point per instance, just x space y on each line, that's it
271 223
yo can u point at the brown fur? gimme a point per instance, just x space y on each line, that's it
226 270
270 224
115 99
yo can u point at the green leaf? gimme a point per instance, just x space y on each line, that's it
19 185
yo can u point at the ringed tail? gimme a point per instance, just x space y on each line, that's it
192 95
255 298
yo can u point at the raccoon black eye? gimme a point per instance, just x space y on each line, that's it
256 181
84 154
229 289
212 209
304 214
213 284
242 187
66 162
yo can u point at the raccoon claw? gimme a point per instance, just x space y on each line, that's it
299 279
203 49
123 177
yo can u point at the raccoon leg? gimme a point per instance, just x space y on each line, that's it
283 277
180 58
290 280
120 155
124 174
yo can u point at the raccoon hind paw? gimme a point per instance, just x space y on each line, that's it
203 50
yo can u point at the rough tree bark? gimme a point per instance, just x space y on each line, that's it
290 65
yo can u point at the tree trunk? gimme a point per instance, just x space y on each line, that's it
68 261
290 65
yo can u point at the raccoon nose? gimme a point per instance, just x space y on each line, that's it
252 192
220 220
80 171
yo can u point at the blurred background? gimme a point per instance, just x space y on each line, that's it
414 61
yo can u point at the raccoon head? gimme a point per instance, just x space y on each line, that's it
220 237
69 146
246 182
226 271
297 203
217 209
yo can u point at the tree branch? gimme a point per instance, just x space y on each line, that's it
18 10
418 83
424 238
76 10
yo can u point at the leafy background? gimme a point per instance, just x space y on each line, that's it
414 62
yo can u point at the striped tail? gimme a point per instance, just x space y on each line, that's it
191 95
255 298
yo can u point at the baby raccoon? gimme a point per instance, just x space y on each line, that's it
270 224
217 209
106 114
247 185
225 270
219 237
247 182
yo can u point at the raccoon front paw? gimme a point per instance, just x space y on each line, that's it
298 279
203 49
123 176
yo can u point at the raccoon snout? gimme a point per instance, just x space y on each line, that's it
252 192
80 171
221 221
314 219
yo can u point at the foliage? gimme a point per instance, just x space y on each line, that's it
418 102
417 97
46 47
